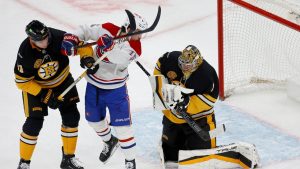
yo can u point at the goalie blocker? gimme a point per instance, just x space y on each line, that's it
234 155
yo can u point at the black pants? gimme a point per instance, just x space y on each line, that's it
35 110
182 137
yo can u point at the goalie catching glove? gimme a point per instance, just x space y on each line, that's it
176 97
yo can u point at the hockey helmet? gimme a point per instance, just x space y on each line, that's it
141 23
36 30
190 59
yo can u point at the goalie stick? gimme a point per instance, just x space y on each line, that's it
132 27
204 135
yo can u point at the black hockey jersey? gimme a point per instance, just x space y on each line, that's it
204 81
37 68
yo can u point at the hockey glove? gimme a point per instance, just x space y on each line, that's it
88 62
68 44
176 96
105 43
48 97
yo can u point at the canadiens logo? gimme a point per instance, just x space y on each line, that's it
48 69
38 63
171 75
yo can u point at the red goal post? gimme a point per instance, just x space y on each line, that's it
258 44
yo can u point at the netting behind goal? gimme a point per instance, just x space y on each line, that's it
259 44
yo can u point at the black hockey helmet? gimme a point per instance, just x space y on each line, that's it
36 30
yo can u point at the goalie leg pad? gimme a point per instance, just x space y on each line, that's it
228 156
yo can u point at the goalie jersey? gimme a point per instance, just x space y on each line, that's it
37 68
203 80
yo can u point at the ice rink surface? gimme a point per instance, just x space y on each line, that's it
269 119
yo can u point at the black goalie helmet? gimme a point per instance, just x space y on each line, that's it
36 30
190 59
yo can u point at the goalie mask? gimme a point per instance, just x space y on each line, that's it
189 60
141 23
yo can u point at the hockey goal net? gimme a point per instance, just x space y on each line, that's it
259 44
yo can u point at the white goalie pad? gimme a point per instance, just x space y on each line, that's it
157 81
235 155
161 154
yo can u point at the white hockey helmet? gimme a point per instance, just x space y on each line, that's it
141 23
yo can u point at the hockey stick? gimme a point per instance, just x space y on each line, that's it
132 26
61 96
204 135
151 28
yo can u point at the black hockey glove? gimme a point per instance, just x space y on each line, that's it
88 62
48 97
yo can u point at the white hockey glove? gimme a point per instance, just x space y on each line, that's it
176 96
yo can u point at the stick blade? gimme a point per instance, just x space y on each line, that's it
132 23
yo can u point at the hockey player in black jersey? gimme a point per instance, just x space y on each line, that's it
186 81
42 73
190 71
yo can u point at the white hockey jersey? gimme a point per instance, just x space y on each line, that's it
112 72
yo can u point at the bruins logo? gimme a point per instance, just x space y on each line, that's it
171 75
38 63
48 70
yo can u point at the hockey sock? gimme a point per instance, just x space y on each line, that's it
27 145
69 138
127 141
102 129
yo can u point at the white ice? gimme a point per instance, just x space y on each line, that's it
268 119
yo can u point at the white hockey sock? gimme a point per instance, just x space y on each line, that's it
102 129
127 141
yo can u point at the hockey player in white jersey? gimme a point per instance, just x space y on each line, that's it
106 85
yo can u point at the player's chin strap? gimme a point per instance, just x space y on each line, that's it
118 39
